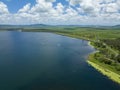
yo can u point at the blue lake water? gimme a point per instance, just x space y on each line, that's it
46 61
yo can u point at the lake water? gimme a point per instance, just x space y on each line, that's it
46 61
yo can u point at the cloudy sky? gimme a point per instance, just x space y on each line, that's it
60 12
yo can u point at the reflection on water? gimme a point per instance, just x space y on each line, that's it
46 61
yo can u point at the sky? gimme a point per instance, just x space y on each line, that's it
60 12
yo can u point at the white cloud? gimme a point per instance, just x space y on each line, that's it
74 2
60 8
3 8
112 8
87 12
26 8
42 6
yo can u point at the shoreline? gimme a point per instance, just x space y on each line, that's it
89 43
104 71
110 74
92 47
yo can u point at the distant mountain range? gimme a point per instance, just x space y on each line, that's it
36 25
116 26
47 26
22 26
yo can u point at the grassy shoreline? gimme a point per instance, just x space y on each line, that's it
110 74
105 71
91 35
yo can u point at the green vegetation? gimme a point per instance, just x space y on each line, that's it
105 40
113 76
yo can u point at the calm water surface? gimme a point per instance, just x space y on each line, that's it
46 61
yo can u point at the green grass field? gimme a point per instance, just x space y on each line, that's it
90 33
